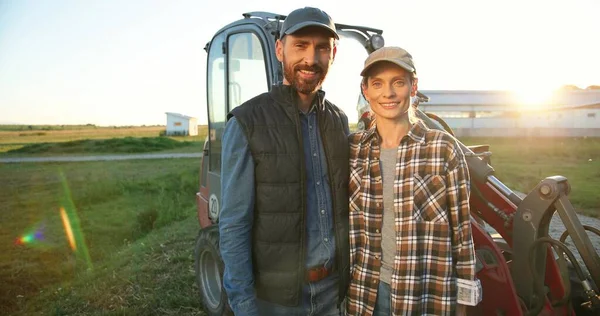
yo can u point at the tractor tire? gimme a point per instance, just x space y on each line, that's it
209 272
363 123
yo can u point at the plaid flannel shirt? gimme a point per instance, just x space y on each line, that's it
434 246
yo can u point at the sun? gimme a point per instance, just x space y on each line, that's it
534 98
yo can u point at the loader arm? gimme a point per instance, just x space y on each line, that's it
523 225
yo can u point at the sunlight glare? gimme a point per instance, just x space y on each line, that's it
533 98
342 85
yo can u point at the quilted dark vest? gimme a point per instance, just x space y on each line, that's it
271 123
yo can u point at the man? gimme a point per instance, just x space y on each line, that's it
284 220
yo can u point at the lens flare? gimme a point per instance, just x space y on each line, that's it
31 237
26 239
70 220
68 228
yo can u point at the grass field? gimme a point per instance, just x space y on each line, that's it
522 163
101 146
14 137
134 225
134 222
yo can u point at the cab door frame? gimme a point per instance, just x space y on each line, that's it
209 196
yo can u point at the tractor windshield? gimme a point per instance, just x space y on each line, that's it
342 85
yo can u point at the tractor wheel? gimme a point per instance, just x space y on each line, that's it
209 271
363 123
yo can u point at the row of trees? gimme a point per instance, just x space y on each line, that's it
574 87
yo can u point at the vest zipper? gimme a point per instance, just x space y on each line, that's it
304 197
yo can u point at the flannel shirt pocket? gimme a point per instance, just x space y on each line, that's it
429 202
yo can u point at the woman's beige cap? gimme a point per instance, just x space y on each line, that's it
393 54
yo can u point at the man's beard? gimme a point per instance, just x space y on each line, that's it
304 86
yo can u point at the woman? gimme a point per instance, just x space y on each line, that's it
410 235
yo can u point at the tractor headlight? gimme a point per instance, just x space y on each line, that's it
376 42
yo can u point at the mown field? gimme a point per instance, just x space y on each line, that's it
15 137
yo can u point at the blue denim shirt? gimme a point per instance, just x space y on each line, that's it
236 217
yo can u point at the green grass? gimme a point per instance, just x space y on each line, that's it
112 145
522 163
152 276
137 219
14 137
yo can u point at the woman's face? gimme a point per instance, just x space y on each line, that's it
388 90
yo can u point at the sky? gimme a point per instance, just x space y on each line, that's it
109 62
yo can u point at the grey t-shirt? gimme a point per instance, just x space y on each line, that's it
387 164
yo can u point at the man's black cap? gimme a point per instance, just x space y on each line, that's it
307 16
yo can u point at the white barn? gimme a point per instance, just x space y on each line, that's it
179 124
499 113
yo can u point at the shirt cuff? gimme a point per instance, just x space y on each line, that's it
469 292
246 308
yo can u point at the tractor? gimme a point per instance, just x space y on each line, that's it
522 270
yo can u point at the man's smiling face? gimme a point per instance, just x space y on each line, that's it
306 56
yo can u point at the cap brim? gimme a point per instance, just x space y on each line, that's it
302 25
404 66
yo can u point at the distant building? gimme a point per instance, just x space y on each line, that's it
499 113
179 124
